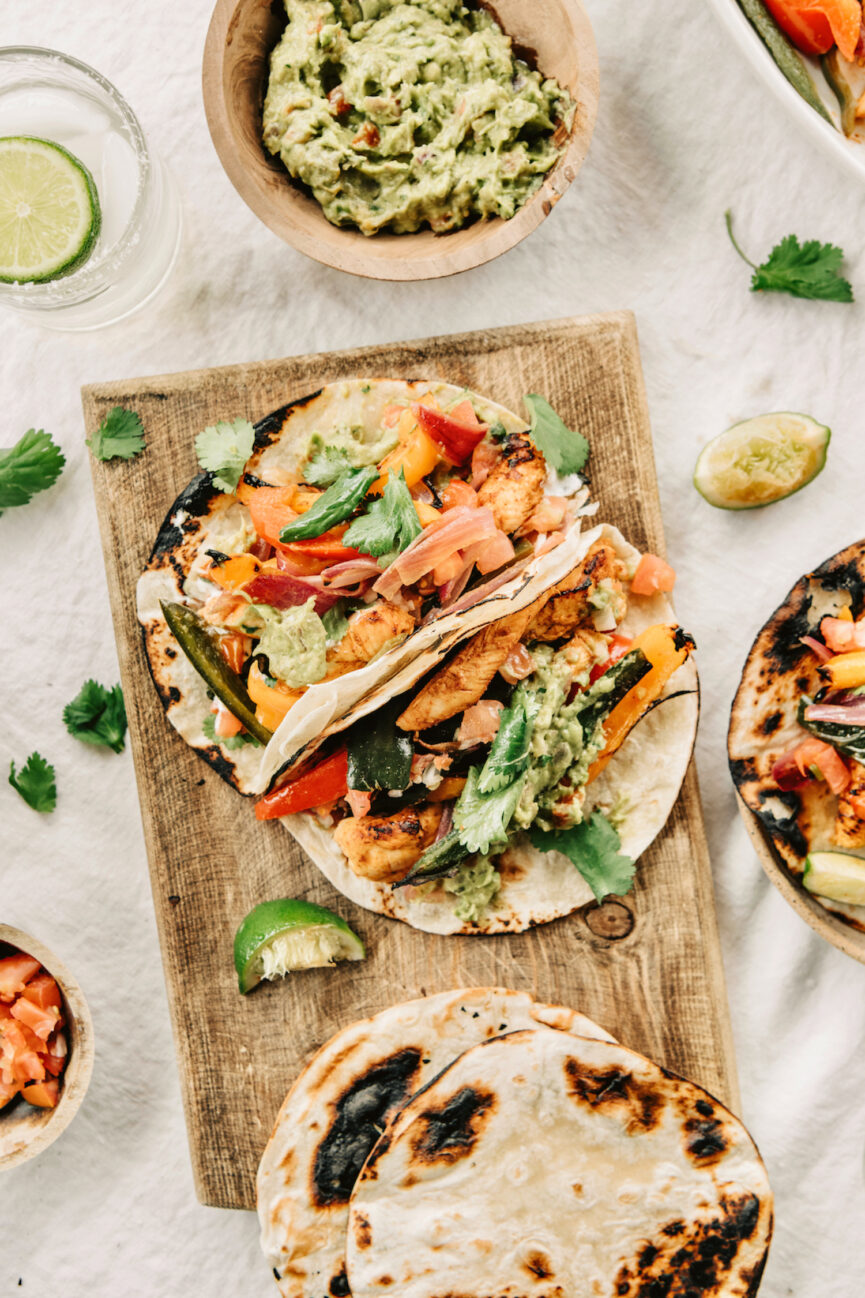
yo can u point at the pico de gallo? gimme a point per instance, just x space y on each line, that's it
33 1046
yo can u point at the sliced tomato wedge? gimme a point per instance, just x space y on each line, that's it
454 432
653 575
324 783
41 1022
44 1095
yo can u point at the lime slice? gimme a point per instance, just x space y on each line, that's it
761 460
278 937
49 211
837 876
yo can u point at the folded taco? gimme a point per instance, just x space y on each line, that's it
797 733
524 773
346 536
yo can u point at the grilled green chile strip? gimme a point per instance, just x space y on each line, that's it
203 652
438 861
609 689
379 755
849 740
788 59
847 100
336 505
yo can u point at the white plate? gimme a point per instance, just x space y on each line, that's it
850 152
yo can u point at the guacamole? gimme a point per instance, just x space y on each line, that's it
403 113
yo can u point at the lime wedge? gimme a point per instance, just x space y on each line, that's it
49 211
761 460
278 937
837 876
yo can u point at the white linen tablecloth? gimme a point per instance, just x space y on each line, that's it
684 132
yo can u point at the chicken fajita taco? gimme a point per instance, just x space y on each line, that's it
348 536
524 773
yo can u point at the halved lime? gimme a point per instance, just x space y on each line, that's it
49 211
837 876
280 936
761 460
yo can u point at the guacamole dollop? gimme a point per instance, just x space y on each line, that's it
403 113
295 642
475 885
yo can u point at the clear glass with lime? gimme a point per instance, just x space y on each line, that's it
90 219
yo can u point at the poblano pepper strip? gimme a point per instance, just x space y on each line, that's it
202 650
848 739
334 506
609 689
438 861
379 755
786 56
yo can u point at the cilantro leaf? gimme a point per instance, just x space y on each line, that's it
223 450
325 466
335 621
509 755
231 742
390 523
562 447
33 464
35 783
481 819
593 846
97 715
808 270
119 436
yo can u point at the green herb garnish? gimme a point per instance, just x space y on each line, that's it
35 782
389 525
325 466
594 847
231 742
808 270
223 449
97 715
33 464
562 447
119 436
334 506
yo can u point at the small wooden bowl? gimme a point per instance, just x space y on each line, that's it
847 939
25 1130
560 42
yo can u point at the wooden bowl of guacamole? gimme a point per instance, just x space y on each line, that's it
401 139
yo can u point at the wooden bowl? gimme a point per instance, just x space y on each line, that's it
559 40
25 1130
848 939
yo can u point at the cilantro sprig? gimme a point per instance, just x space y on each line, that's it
97 715
562 447
594 847
223 449
35 782
33 464
389 524
326 465
807 270
120 436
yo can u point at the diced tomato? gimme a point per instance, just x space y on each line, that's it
44 992
652 575
234 648
19 1060
45 1095
324 783
842 635
456 436
54 1054
8 1091
816 25
619 646
484 457
457 493
41 1022
226 724
449 568
814 753
359 801
15 972
494 553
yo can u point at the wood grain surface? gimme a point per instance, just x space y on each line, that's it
556 37
648 968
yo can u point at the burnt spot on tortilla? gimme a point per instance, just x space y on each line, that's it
359 1117
447 1134
785 828
169 652
385 1279
267 429
173 693
616 1092
681 639
705 1141
771 723
694 1260
538 1265
338 1287
362 1231
742 770
844 573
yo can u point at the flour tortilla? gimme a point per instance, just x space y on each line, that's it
336 1109
641 782
763 722
546 1165
204 518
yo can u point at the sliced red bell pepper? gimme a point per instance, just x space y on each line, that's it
457 437
324 783
327 546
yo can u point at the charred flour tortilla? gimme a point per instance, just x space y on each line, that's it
780 669
338 1107
543 1164
203 518
640 784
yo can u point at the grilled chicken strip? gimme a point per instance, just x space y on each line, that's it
369 630
569 605
849 820
462 681
515 486
384 848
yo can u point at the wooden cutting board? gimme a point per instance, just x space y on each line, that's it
647 968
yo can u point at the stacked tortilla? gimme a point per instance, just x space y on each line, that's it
478 1143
